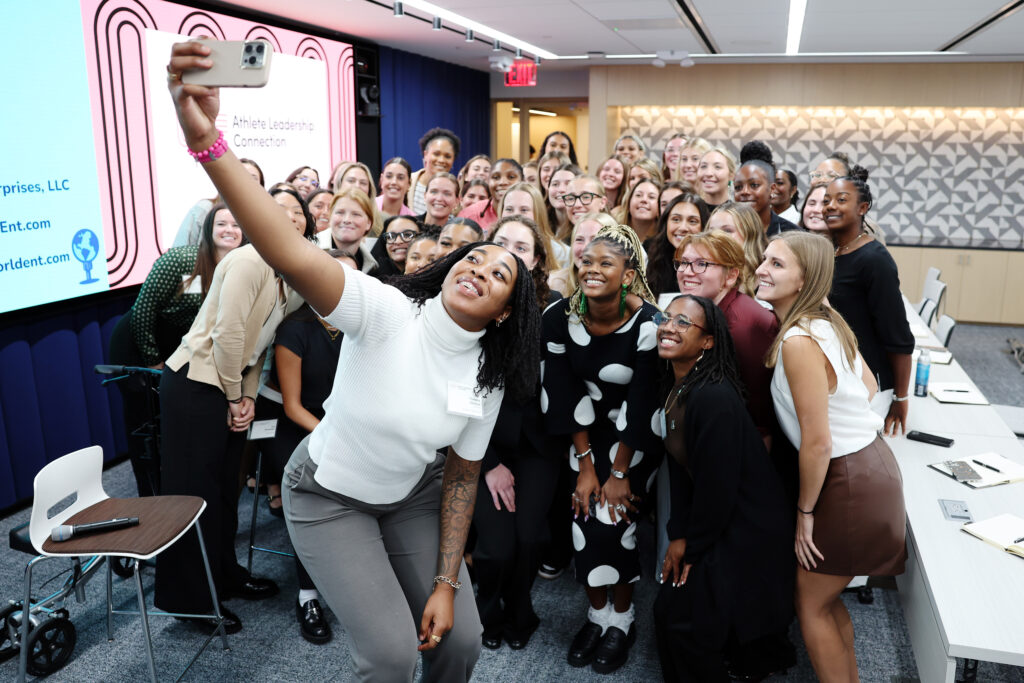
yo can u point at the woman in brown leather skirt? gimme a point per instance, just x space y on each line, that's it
850 515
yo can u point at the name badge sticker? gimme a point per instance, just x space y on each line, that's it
462 400
262 429
194 287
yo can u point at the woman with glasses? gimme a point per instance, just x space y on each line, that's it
727 505
304 179
685 215
585 195
392 247
600 362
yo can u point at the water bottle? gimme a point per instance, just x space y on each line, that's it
924 366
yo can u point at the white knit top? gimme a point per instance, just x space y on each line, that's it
850 419
388 410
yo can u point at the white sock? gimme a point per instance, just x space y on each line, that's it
601 616
621 620
307 595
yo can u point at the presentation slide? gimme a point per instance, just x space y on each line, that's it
96 178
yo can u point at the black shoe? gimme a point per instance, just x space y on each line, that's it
275 511
232 624
252 588
585 644
517 641
549 572
312 624
614 649
491 641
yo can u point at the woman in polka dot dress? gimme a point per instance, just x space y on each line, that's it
599 386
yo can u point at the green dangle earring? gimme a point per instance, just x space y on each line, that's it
622 302
583 305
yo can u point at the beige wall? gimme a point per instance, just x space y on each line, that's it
962 84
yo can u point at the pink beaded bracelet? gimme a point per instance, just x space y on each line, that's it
214 152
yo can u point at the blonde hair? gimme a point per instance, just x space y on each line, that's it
365 203
749 225
626 240
540 217
342 169
648 165
730 160
666 172
815 255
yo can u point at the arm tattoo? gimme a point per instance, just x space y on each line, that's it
458 495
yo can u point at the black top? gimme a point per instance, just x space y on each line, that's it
303 334
385 266
727 502
779 224
866 291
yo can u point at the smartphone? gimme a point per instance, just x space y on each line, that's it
933 439
236 64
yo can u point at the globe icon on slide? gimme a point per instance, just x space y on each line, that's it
86 247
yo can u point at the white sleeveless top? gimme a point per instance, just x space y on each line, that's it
850 419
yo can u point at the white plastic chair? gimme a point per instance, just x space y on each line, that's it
933 290
928 312
944 330
932 275
163 520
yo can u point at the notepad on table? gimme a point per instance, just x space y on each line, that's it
993 468
938 354
1004 531
956 392
920 330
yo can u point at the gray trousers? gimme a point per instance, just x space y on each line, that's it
375 565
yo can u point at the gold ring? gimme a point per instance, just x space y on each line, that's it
436 638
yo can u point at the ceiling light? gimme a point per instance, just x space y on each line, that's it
399 10
437 23
469 35
519 53
497 46
686 63
536 60
796 25
541 112
452 17
647 56
658 62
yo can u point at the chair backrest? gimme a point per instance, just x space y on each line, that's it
934 289
932 274
80 474
928 311
944 330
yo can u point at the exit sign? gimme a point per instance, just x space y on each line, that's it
522 74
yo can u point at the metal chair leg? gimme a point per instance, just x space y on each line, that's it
213 588
26 619
110 601
145 620
255 507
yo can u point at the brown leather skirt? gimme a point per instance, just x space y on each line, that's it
860 523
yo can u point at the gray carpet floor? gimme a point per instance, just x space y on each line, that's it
269 647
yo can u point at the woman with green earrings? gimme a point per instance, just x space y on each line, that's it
600 368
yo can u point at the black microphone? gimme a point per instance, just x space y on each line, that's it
66 532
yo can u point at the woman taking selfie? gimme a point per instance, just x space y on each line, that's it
457 333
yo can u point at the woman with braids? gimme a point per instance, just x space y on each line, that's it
600 364
866 291
850 518
727 505
366 494
518 478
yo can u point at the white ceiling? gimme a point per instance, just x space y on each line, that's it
755 28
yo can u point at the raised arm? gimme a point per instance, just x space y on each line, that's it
312 273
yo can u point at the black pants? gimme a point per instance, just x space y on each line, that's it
557 552
509 544
200 457
689 651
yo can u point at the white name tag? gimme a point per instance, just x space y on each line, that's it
194 287
462 400
262 429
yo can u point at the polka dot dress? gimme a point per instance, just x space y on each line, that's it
606 385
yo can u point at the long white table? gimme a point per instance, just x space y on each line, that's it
961 597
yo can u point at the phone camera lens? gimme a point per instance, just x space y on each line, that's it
252 60
248 48
259 49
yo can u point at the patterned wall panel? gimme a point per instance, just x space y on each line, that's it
940 176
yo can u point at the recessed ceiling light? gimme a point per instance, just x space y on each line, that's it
797 8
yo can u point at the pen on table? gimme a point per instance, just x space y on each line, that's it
956 391
1019 539
978 462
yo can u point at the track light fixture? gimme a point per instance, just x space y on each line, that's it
519 53
399 9
497 46
469 35
437 24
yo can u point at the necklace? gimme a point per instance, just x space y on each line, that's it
843 247
333 335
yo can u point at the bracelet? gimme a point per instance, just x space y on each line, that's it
804 512
619 474
584 454
237 400
900 399
213 152
444 579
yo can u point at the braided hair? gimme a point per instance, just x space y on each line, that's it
623 240
510 352
718 364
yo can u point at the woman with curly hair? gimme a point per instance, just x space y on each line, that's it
440 146
600 363
378 518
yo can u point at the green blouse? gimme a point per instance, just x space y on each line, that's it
160 299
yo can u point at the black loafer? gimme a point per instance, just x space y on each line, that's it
585 644
232 624
517 641
491 641
614 649
253 588
312 624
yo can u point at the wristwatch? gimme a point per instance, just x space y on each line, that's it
619 474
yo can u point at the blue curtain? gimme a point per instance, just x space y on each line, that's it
418 93
51 401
